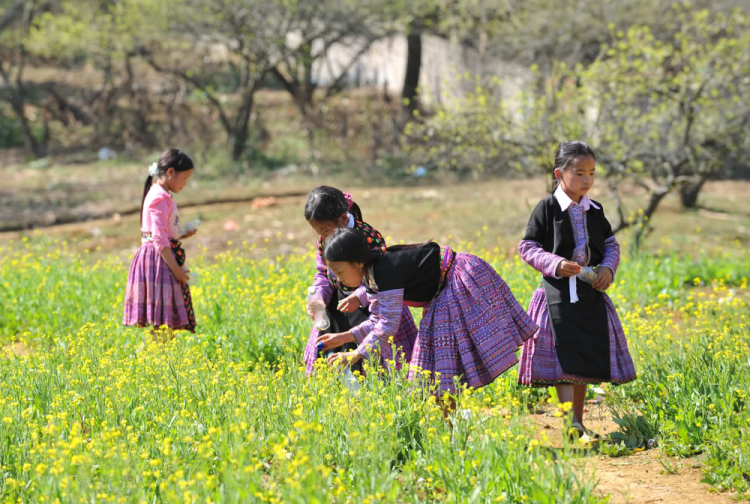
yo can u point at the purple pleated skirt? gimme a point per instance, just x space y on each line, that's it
153 296
472 330
539 365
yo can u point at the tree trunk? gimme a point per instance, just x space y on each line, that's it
310 127
689 192
238 146
139 107
239 142
656 196
623 222
241 131
308 124
413 67
33 146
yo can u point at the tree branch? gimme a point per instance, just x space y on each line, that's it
11 14
333 88
287 84
195 82
4 74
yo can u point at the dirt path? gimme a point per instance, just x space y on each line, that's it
638 478
16 347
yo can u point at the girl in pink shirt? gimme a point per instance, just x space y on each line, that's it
348 308
157 293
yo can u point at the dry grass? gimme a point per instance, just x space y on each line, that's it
492 213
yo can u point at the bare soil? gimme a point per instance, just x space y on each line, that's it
637 478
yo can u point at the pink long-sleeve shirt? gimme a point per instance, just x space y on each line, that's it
160 217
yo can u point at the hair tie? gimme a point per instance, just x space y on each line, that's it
153 170
349 201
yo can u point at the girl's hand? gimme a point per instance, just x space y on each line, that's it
188 234
335 340
567 269
349 304
182 275
342 359
603 279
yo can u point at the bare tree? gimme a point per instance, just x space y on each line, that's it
220 46
15 24
660 114
305 63
11 13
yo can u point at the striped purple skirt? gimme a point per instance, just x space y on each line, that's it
153 297
539 364
472 330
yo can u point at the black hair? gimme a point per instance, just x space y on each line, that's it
328 204
568 151
350 245
170 158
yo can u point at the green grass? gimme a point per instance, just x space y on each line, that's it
100 411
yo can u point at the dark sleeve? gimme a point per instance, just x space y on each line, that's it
390 272
415 267
537 226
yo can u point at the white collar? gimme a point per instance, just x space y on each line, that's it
565 201
351 221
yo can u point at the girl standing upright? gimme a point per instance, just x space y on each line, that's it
580 338
328 209
157 293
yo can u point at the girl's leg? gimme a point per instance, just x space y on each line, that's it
565 392
162 335
579 399
575 394
449 405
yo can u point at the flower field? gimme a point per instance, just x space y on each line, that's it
95 412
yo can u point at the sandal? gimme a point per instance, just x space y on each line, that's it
578 431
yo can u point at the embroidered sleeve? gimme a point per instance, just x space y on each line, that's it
544 262
387 313
361 294
361 331
159 213
611 254
321 282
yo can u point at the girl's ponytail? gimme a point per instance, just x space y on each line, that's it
146 188
356 212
